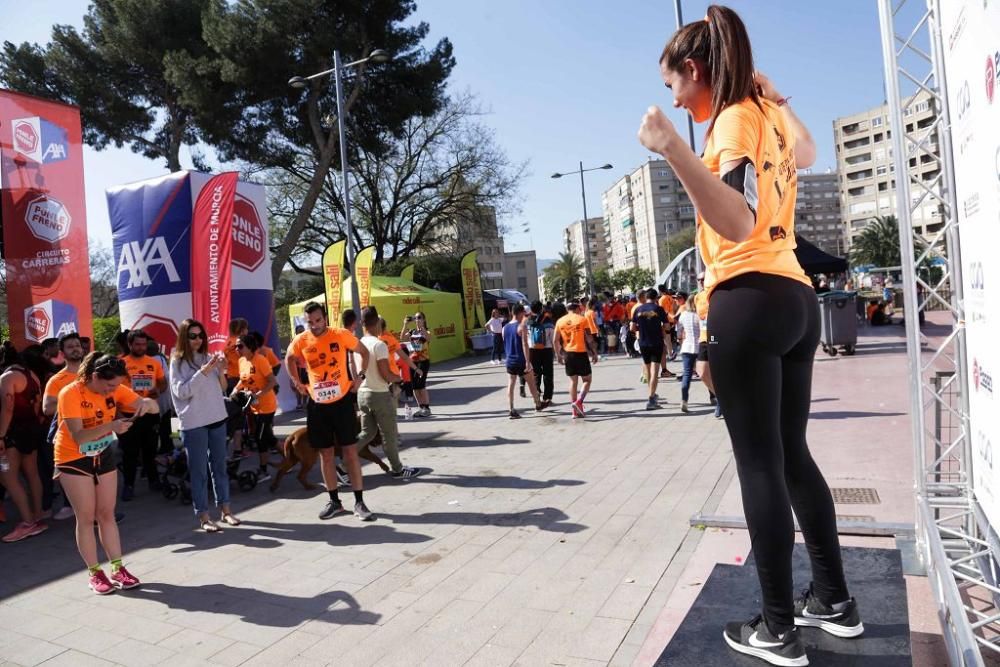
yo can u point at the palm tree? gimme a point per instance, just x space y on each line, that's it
563 277
878 243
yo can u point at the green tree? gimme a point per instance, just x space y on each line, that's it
564 277
105 330
877 244
635 278
604 280
677 243
259 44
122 71
428 270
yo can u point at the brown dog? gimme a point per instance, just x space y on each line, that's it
296 449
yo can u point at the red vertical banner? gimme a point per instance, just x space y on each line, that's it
44 219
211 257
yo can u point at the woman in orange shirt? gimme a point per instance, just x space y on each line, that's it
88 426
761 358
257 378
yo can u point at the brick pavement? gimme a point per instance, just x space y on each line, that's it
539 541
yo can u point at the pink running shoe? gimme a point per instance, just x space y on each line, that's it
99 583
38 528
123 579
20 532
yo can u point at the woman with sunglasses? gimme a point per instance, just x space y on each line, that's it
197 383
87 411
257 378
418 338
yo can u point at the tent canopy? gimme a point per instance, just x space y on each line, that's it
814 260
395 298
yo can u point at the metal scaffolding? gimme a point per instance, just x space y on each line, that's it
954 541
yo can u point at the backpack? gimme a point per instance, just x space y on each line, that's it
536 333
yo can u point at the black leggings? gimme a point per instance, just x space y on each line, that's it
763 334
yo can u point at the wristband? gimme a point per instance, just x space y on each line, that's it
782 101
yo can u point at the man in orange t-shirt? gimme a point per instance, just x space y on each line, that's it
575 348
331 421
669 305
145 378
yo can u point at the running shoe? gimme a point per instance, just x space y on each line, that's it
651 404
811 613
263 476
684 406
343 479
332 509
362 512
21 531
755 639
407 473
65 513
37 528
123 579
514 414
100 584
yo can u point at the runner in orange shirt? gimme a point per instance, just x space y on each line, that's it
575 348
331 419
743 188
89 424
146 378
669 306
72 351
257 379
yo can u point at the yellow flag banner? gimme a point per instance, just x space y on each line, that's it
471 289
333 278
477 295
363 265
407 272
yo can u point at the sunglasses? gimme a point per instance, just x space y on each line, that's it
195 336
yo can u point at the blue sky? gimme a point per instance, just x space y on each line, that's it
569 80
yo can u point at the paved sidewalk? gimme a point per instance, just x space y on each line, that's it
531 542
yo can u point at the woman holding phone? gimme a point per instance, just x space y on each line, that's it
197 380
418 339
761 358
88 426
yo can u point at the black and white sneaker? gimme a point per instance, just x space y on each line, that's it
332 509
406 473
755 639
811 613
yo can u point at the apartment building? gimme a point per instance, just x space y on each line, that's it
573 241
867 174
817 211
520 272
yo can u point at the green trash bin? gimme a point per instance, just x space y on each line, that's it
839 322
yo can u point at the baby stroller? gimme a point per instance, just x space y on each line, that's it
175 478
236 411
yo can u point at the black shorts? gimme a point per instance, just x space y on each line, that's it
330 424
518 370
25 440
421 382
703 351
89 466
577 363
651 355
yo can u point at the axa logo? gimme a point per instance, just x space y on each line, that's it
39 140
140 261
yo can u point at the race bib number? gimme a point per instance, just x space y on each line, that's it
141 383
95 447
326 392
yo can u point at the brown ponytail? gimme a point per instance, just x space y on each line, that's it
721 43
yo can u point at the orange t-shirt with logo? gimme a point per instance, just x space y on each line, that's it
232 357
744 130
591 317
144 373
269 355
58 381
253 377
393 344
76 401
326 362
572 330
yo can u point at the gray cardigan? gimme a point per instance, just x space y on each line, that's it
197 397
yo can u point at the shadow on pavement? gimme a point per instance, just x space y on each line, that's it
256 606
439 440
852 414
488 479
342 531
544 518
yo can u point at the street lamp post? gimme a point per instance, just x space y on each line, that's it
338 69
586 226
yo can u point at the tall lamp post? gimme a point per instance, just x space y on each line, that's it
338 69
586 226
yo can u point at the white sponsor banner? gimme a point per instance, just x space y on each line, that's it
972 66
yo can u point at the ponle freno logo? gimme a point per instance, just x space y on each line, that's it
162 329
36 324
248 235
39 140
47 219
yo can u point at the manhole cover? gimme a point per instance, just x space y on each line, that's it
856 517
854 495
